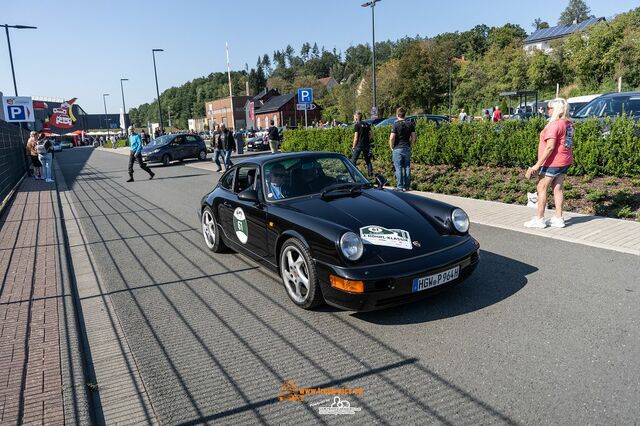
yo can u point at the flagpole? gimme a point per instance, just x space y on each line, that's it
233 121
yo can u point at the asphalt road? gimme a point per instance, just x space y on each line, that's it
543 332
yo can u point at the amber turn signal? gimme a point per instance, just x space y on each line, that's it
346 285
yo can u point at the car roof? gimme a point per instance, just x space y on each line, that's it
614 94
261 159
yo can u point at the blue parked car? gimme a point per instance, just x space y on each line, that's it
181 146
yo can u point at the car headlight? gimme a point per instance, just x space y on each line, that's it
351 246
460 220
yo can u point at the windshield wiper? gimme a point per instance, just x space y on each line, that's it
339 189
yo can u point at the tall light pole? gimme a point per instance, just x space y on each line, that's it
104 97
124 108
372 4
153 52
6 29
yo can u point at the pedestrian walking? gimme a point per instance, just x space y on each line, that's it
32 152
497 115
218 149
113 141
274 137
486 116
135 144
555 155
144 137
45 151
402 137
462 116
362 143
228 145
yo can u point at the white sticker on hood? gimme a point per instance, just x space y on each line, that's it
380 236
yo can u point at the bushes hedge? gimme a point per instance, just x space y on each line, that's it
601 148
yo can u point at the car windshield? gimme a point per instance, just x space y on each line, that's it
387 121
308 175
615 105
162 140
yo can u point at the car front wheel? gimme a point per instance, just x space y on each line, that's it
202 155
212 237
166 160
299 274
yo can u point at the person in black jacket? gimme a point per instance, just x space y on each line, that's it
362 143
274 137
228 144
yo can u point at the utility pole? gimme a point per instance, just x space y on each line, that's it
155 71
104 96
374 106
124 108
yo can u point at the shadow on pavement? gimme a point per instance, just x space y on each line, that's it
218 343
496 278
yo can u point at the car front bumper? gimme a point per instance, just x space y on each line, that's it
391 284
151 158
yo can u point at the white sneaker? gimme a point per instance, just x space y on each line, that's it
536 223
49 180
557 222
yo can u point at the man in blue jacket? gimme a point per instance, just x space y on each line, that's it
135 143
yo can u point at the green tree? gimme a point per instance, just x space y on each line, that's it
539 24
505 35
576 11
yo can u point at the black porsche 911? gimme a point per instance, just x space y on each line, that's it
334 237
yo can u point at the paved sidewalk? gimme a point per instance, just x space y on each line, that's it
603 232
40 372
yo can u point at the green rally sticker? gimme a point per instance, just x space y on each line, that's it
240 225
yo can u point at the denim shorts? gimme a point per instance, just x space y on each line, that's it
553 171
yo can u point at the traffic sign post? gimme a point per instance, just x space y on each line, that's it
305 97
18 109
305 107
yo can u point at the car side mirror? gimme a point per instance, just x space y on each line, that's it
381 181
249 195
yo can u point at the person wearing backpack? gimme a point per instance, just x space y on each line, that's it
402 137
45 150
362 137
555 156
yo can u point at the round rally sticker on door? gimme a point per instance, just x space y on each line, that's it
240 225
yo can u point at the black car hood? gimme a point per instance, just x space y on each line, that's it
383 209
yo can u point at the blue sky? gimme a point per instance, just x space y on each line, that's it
83 47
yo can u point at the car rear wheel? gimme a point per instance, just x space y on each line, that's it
202 155
166 160
210 232
299 274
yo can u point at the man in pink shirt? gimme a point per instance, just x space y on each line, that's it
555 155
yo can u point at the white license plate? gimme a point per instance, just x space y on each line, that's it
435 280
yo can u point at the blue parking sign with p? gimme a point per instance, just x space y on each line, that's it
305 95
16 113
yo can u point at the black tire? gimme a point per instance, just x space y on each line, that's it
210 231
305 296
166 160
202 155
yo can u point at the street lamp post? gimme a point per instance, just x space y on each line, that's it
153 52
6 29
450 72
124 108
104 97
372 4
